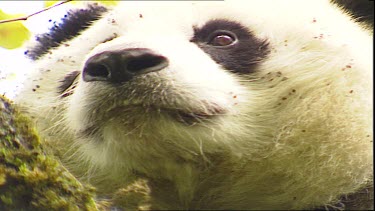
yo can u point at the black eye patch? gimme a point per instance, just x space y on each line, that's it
231 45
72 24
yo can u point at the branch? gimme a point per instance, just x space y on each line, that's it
35 13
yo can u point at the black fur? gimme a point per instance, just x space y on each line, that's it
242 56
362 10
67 81
72 24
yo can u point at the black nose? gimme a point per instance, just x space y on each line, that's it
121 66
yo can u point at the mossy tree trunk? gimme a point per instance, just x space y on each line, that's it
30 179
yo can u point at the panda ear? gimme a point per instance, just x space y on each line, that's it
361 10
73 22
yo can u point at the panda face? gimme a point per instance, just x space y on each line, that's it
163 75
207 93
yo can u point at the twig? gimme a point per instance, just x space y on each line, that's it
35 13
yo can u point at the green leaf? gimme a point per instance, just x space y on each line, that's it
12 34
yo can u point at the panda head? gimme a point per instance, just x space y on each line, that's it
150 84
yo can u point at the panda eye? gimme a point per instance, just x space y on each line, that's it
222 38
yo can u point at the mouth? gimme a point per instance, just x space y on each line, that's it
132 115
195 117
185 116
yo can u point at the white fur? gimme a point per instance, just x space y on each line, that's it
297 141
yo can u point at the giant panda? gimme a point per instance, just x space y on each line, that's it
256 104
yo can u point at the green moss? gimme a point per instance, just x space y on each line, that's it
29 178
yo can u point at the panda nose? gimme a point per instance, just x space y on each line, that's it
122 66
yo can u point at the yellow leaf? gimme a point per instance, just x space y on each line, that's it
12 34
50 3
108 3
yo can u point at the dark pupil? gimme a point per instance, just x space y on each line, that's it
222 40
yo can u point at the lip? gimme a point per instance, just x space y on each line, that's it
190 117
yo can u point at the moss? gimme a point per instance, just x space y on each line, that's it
29 178
136 196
